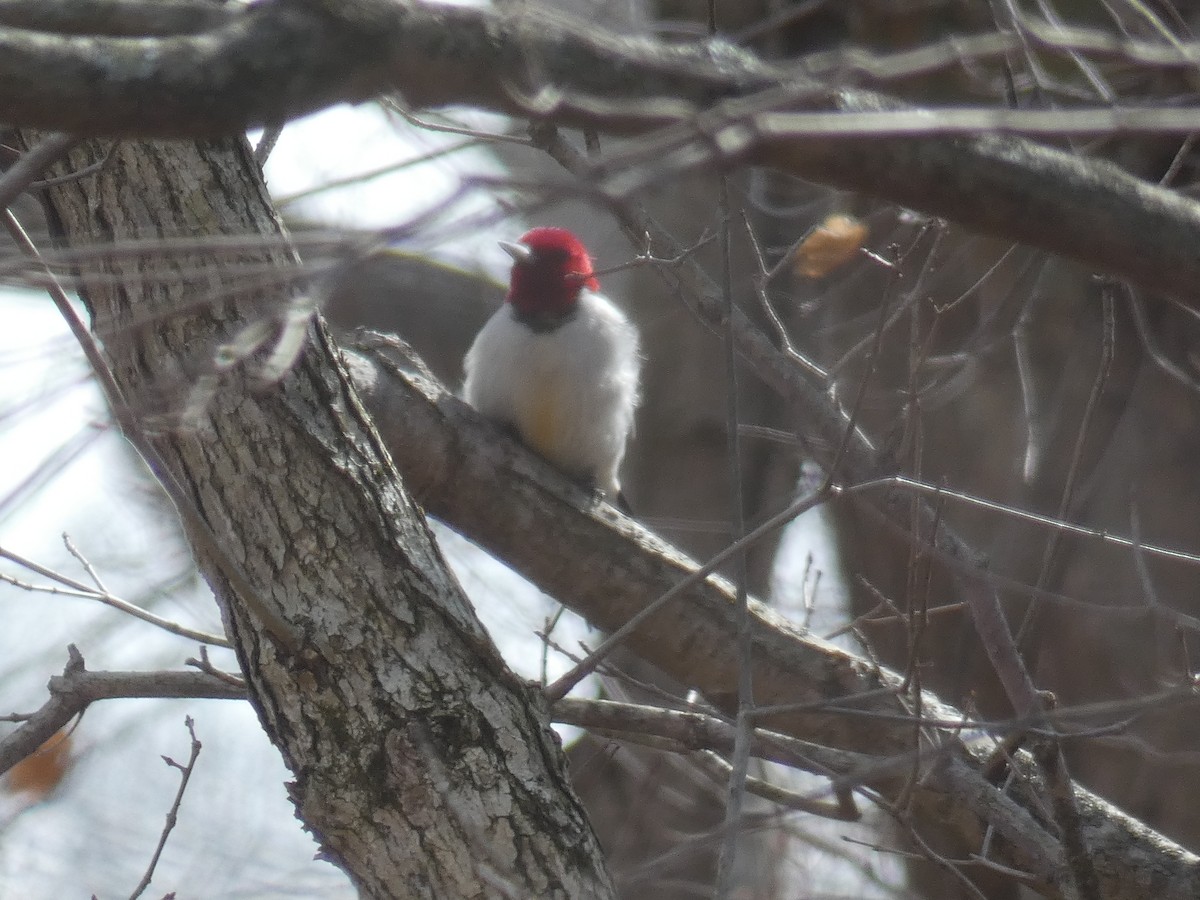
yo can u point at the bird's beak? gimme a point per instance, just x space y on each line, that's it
519 252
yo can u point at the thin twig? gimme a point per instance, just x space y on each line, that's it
206 666
722 772
646 258
425 125
73 588
1098 534
128 423
32 163
266 143
77 174
83 561
1028 630
761 279
739 768
563 685
1066 816
185 775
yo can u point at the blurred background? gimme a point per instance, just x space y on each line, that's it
1008 378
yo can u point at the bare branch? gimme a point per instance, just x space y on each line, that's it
72 588
452 458
185 775
133 430
115 18
687 730
31 164
73 691
723 773
854 456
270 62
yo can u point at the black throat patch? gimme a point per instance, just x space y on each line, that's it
541 322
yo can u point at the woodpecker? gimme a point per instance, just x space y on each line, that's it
559 362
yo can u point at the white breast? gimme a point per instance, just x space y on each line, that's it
570 392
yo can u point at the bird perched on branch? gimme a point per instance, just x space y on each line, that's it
558 361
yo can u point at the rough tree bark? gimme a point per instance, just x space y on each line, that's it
423 765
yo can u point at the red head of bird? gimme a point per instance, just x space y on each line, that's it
550 268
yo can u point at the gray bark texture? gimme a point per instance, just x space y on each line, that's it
422 764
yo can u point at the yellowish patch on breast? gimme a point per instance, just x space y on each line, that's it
542 425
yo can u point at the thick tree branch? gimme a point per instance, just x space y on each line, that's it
116 18
704 105
280 59
607 569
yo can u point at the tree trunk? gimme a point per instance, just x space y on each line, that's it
423 765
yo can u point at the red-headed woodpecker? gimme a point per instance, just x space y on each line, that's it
559 362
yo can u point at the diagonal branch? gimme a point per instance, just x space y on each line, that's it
605 567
